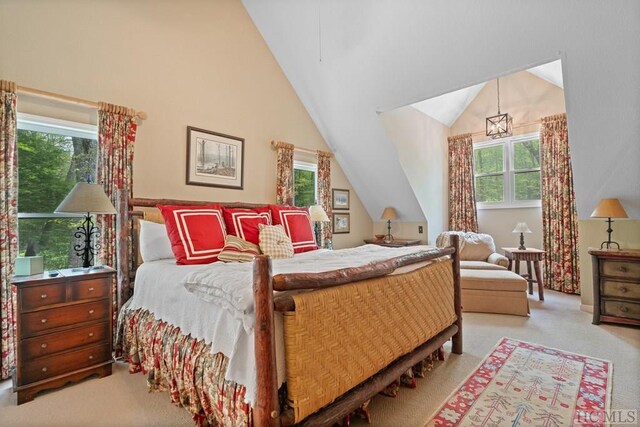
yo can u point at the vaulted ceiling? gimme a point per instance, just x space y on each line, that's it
350 60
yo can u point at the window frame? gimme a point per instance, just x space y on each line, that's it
508 172
306 166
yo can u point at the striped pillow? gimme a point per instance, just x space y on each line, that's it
238 250
275 242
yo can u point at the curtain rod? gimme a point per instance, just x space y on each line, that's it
275 144
521 125
70 99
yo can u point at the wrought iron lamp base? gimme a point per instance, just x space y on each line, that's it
87 231
609 243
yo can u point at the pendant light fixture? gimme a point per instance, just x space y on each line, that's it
500 125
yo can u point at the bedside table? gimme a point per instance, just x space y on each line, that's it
528 255
64 331
395 243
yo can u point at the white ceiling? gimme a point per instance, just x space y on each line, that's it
448 107
383 54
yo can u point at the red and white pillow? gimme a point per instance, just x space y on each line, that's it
197 233
243 223
297 225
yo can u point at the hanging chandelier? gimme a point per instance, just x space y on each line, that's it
500 125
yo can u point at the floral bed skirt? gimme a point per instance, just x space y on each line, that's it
185 367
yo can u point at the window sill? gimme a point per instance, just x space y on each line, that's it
537 205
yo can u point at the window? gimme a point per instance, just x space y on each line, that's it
305 183
53 155
507 172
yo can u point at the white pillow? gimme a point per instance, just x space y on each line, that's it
154 242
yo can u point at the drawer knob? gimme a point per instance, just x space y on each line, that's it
44 369
624 309
91 311
43 320
90 334
43 345
624 268
91 289
43 296
91 357
623 289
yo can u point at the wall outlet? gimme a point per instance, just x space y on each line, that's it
420 229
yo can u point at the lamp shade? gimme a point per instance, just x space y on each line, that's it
318 214
85 197
609 208
389 213
521 227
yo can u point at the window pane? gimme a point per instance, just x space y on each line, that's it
489 160
49 167
53 239
527 185
526 155
490 188
304 187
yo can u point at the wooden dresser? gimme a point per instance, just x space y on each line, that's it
616 286
64 329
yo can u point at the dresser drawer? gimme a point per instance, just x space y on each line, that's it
90 289
45 345
620 269
611 288
39 296
625 309
47 367
40 321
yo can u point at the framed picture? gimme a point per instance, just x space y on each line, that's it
214 159
341 223
340 199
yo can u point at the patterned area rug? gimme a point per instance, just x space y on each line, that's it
523 384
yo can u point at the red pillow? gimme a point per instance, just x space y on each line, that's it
297 225
243 223
197 233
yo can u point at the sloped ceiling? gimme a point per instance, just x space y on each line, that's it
349 60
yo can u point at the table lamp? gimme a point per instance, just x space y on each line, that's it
389 213
317 215
521 228
609 208
86 198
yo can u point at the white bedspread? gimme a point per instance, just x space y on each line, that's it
218 307
231 284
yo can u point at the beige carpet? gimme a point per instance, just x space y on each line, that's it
123 400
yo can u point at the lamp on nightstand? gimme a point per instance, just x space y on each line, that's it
609 208
317 215
522 228
389 213
86 199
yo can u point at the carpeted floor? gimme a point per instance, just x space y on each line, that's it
123 400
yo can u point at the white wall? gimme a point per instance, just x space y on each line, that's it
421 144
501 222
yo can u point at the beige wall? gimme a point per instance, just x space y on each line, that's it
421 143
202 65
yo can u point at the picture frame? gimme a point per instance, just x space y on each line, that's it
214 159
340 199
341 223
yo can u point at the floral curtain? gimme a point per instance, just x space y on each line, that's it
284 173
116 137
8 224
324 193
462 195
559 216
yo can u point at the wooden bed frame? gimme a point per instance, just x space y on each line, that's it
266 408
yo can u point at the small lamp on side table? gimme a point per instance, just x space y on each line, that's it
389 213
86 199
522 228
317 215
609 208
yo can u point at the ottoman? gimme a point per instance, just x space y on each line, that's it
494 291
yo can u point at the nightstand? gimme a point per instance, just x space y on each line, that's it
64 331
395 243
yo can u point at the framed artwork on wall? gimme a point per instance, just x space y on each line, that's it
340 199
341 223
214 159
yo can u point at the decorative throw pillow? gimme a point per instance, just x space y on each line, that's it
238 250
244 222
196 233
153 242
275 242
297 225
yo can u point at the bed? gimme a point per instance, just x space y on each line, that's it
299 351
